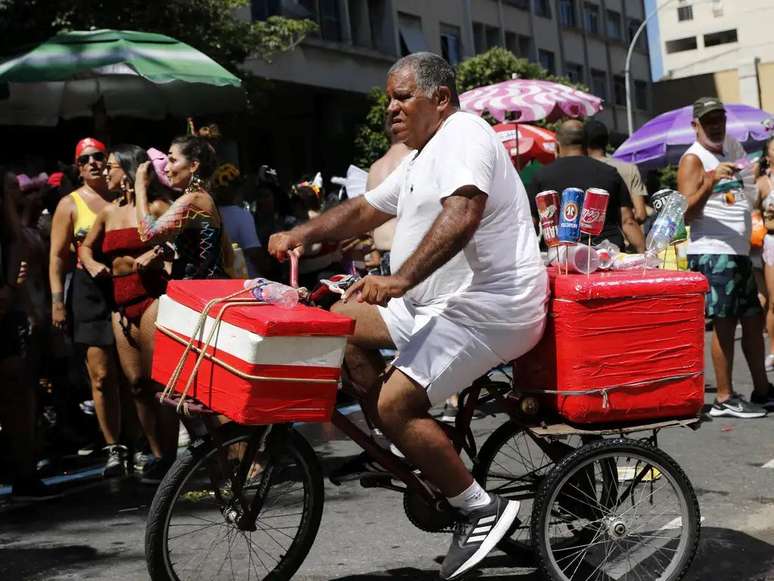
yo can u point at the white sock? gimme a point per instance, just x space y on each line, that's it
471 498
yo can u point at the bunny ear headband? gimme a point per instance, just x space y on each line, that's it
159 161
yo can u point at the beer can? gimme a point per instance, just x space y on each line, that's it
569 215
594 209
548 211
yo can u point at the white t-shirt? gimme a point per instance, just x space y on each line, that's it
725 224
498 280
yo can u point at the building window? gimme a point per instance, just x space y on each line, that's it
450 43
543 8
641 95
614 30
681 44
412 39
518 44
574 72
360 24
619 90
547 60
591 16
685 12
485 37
722 37
599 83
567 14
520 4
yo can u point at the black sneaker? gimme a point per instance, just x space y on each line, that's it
354 469
765 401
477 534
155 469
116 461
33 489
736 407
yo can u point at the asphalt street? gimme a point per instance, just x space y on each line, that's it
96 531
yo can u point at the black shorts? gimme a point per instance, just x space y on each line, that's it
90 310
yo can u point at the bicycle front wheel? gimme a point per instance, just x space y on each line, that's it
616 509
195 528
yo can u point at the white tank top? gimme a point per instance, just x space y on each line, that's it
725 225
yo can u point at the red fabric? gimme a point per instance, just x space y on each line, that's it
245 401
125 241
55 179
532 143
87 142
135 292
608 330
268 321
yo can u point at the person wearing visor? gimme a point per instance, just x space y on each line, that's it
719 214
88 317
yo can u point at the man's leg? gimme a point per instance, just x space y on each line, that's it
754 352
723 332
402 414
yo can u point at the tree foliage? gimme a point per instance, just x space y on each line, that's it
493 66
212 26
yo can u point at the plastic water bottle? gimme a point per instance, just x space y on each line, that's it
665 227
274 293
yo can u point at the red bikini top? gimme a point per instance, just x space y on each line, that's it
124 242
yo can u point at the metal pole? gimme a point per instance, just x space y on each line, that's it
627 72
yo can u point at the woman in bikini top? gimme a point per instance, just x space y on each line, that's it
139 277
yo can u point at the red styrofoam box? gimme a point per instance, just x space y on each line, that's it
259 340
633 339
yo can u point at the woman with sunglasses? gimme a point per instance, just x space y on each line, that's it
89 315
139 278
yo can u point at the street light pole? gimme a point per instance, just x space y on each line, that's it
627 70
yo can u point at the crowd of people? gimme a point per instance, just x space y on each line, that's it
86 252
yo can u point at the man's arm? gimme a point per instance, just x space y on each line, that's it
696 185
631 229
450 232
346 220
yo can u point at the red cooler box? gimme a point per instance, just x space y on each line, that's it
302 343
620 346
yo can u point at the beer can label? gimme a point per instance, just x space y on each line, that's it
548 211
569 216
594 209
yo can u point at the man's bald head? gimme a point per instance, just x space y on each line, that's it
571 134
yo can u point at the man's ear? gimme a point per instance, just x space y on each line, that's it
443 95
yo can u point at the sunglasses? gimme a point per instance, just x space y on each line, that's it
84 159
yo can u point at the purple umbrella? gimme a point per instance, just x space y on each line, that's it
663 139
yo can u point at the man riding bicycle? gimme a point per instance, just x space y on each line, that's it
467 293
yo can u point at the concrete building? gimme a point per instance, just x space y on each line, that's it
717 48
325 77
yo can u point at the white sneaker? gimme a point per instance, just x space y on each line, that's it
770 362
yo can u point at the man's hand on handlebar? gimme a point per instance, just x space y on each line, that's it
283 242
377 290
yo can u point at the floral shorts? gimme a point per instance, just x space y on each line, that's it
732 292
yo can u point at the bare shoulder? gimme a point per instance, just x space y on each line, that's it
65 207
764 185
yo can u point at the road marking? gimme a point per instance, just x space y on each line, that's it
769 464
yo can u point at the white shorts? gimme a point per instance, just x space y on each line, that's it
768 249
445 357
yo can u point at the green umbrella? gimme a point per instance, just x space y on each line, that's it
134 74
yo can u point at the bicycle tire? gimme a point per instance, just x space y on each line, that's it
517 544
168 494
656 465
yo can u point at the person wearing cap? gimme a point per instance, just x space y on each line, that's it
719 214
89 315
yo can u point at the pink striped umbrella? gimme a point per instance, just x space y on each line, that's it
530 100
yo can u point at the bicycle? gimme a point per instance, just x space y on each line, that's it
247 500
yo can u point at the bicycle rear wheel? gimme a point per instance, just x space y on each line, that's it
194 531
616 509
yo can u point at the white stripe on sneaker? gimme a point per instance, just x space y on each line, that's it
487 519
475 539
498 532
484 529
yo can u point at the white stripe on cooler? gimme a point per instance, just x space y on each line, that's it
251 347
